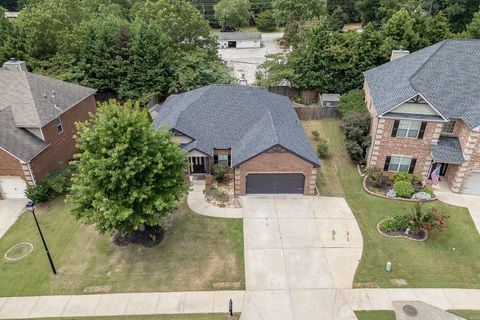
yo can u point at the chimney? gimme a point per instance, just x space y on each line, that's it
397 54
13 64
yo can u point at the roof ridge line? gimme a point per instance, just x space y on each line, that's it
424 63
274 130
24 73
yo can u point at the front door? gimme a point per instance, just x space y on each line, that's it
443 169
198 165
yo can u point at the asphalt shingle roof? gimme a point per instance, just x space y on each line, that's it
448 150
446 74
245 119
26 102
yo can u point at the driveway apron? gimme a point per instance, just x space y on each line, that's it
298 251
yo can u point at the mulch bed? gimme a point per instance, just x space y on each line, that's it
418 236
150 237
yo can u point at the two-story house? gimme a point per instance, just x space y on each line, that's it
425 109
37 124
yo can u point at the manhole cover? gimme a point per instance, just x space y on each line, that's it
18 251
410 310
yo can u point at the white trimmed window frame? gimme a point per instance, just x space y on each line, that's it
399 164
408 129
222 159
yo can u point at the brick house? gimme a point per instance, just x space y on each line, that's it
37 124
254 132
425 109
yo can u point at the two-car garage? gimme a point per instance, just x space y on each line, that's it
259 183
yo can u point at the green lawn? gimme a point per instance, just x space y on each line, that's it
206 316
375 315
467 314
197 253
433 263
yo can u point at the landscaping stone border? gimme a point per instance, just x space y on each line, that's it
399 236
14 247
390 198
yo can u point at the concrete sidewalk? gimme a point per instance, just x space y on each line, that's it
120 304
197 202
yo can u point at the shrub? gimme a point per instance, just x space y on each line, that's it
397 223
401 176
265 21
218 171
322 148
316 135
356 128
403 189
426 219
375 177
52 185
352 101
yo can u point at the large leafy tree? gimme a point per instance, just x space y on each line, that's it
473 29
232 14
458 12
128 175
347 6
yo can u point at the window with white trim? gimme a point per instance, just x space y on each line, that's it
58 124
223 159
409 128
398 164
449 127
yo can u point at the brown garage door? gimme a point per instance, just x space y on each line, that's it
275 183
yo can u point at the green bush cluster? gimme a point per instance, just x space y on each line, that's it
375 176
403 189
356 128
397 223
352 101
219 171
266 22
429 191
52 185
322 148
404 176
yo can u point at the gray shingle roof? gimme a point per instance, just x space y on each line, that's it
17 141
26 102
448 150
245 119
446 74
30 96
239 36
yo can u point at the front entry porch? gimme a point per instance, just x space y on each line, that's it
197 164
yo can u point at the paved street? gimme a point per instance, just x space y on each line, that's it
10 210
246 61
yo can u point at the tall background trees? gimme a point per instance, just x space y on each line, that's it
129 49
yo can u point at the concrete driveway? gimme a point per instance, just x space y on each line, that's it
10 210
246 61
298 251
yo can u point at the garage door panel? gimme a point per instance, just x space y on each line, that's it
12 187
472 184
259 183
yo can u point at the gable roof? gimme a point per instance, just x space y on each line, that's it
445 74
245 119
239 36
30 97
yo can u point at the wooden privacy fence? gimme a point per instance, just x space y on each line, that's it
316 113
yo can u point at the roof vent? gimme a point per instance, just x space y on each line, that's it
14 65
397 54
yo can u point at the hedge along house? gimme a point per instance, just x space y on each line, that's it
254 132
425 109
37 124
239 40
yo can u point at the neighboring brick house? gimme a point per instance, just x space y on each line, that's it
425 109
255 132
37 124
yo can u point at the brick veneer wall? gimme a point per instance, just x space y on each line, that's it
62 145
275 160
10 166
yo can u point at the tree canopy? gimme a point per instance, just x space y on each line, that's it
127 175
232 14
154 47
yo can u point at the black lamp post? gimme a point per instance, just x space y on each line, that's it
31 207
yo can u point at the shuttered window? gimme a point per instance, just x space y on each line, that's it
408 128
399 164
